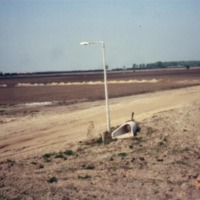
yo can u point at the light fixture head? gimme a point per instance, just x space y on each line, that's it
84 43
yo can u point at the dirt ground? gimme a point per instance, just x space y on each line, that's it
54 152
83 87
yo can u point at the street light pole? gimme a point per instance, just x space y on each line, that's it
106 88
105 81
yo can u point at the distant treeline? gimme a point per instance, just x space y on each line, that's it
48 72
155 65
171 64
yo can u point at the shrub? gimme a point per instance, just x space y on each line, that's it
52 180
68 152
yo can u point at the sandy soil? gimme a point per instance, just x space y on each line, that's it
46 152
162 162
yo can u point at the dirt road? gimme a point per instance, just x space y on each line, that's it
50 128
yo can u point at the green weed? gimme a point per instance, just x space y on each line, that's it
52 180
69 152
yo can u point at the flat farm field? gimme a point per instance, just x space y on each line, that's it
81 87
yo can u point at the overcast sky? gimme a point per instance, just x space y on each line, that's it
44 35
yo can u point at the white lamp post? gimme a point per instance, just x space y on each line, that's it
105 80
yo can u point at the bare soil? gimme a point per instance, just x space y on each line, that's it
68 94
53 152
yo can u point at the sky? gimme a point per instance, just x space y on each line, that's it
45 35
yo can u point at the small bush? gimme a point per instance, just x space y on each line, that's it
52 180
68 152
